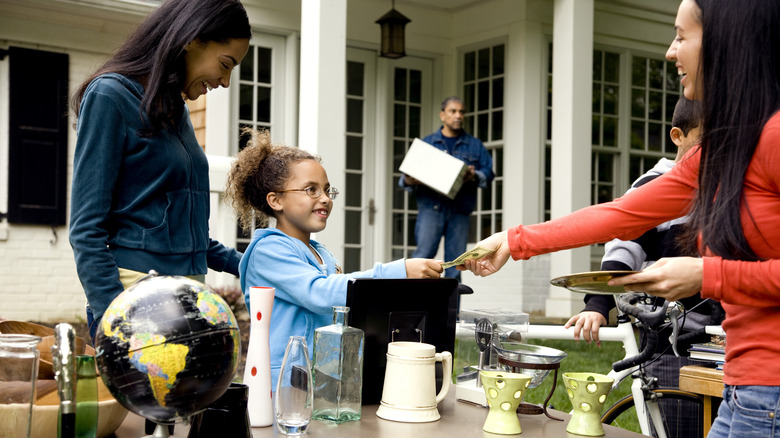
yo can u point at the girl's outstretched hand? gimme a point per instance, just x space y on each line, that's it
491 263
423 268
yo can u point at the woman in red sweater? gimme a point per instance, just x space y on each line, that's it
728 55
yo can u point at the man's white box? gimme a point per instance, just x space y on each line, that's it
434 168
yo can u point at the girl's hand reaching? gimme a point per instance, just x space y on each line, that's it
423 268
491 263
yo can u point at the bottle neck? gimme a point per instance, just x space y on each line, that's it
340 315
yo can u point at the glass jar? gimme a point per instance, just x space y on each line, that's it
338 370
18 372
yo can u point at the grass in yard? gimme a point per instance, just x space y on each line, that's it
582 357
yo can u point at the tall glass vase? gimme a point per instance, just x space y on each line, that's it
338 370
257 373
295 389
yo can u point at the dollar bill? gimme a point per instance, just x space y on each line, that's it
472 254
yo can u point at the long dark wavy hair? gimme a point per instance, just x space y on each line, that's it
740 70
154 53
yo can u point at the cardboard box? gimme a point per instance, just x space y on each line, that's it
434 168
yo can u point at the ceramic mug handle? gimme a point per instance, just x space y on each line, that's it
445 357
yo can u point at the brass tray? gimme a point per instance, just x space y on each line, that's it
594 282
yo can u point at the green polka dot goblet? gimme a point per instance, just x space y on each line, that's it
587 392
504 392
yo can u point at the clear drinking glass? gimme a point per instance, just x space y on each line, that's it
18 372
295 390
338 370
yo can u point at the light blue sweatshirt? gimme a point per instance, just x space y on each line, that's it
305 292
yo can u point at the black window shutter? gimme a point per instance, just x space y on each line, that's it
38 136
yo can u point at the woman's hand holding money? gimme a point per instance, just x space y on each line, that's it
493 261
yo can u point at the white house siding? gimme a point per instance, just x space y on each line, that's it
38 279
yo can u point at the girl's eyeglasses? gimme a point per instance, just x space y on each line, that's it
314 192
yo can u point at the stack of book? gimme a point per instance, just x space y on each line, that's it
713 351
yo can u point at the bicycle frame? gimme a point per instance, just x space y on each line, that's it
624 332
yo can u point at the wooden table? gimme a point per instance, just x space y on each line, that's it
705 381
458 419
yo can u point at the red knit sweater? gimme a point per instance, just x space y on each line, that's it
748 291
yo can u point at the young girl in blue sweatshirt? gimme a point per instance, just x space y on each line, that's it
291 186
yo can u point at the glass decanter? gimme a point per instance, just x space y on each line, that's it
338 370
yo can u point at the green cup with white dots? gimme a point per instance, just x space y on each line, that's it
587 392
504 392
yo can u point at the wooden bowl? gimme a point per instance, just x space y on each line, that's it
45 368
111 414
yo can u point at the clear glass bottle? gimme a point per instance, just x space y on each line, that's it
338 370
294 390
18 373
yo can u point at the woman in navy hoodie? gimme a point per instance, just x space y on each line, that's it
140 194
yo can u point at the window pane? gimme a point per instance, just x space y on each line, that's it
606 171
655 105
672 80
351 259
611 99
487 197
410 227
638 103
245 102
398 228
598 56
498 126
354 152
264 65
414 121
398 196
354 79
484 63
399 120
399 85
264 104
611 67
637 135
469 66
596 97
415 86
610 131
482 126
498 162
499 194
399 152
473 229
498 92
483 95
354 115
635 169
468 97
468 124
247 69
353 193
498 59
654 135
671 102
352 227
595 130
638 72
499 222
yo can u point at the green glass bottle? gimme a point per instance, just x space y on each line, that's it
86 397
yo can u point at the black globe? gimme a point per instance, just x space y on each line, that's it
167 347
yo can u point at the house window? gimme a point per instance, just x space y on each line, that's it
653 92
483 98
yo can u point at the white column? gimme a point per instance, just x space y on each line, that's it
322 104
571 133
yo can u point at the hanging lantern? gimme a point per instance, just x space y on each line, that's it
393 24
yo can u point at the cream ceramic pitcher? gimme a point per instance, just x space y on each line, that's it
409 392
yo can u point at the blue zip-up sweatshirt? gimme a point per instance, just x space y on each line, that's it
137 203
305 290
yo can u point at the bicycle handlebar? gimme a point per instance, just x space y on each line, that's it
627 303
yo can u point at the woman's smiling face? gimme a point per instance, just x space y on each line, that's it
685 50
208 65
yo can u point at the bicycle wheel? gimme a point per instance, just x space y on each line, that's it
682 413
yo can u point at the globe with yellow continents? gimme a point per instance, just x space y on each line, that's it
167 347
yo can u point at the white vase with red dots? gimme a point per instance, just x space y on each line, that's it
257 374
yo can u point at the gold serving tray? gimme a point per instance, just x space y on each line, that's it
594 282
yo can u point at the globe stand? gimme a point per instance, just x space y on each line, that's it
160 431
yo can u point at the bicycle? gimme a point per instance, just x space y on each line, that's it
645 393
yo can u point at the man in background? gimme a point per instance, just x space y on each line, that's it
439 216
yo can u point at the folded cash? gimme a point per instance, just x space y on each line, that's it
472 254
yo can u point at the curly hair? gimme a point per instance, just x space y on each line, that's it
261 167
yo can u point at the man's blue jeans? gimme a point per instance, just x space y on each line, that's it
432 224
748 411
